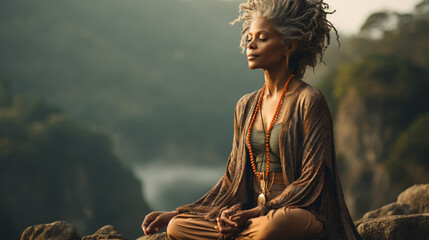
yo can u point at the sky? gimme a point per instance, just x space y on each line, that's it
350 15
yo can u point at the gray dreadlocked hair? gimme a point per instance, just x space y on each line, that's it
301 20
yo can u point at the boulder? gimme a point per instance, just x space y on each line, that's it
158 236
417 197
408 218
106 232
401 227
59 230
388 210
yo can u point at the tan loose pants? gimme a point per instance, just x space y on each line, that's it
283 223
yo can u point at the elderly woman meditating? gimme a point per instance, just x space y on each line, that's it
281 179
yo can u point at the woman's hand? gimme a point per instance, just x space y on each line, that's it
242 216
225 225
155 221
233 219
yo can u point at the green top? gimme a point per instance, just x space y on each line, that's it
257 139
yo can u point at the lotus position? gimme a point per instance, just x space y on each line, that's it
281 180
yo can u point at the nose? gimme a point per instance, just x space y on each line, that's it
251 44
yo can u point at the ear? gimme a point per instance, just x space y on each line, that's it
291 46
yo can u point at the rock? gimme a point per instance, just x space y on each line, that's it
59 230
106 232
408 218
402 227
158 236
417 197
388 210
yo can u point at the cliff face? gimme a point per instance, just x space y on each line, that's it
362 140
373 111
378 95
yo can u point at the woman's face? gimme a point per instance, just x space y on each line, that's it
265 48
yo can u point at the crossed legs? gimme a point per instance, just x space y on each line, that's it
283 223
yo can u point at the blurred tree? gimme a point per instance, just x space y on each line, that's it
52 168
378 23
408 161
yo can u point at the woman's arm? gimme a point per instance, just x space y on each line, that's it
155 221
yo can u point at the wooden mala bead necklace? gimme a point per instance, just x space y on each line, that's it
262 196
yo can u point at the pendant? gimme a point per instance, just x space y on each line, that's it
261 199
263 185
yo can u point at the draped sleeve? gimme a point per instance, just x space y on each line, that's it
308 177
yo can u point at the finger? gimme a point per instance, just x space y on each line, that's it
240 214
227 229
219 223
224 228
225 213
240 218
237 214
229 222
235 208
146 222
149 218
143 228
217 228
153 227
225 219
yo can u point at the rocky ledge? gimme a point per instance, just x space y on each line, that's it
61 230
407 218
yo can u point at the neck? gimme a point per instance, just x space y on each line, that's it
275 80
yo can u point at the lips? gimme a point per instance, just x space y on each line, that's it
252 56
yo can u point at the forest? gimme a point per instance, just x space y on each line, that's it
100 99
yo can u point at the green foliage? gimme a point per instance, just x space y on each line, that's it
389 74
391 86
408 160
374 20
52 168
